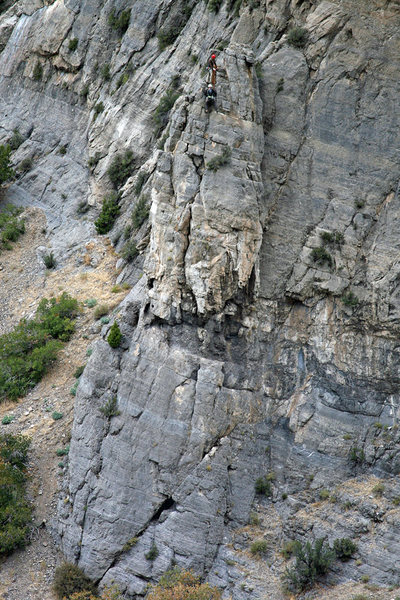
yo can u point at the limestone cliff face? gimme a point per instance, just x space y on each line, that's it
263 334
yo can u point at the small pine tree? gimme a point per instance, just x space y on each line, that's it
115 336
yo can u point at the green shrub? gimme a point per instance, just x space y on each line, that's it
122 79
7 419
324 494
121 168
62 150
115 336
141 212
350 299
214 5
130 544
73 44
78 371
344 548
297 37
11 227
15 511
152 553
166 37
69 579
38 72
263 486
120 23
27 352
279 85
91 303
104 320
105 72
140 181
356 455
49 260
57 416
72 390
288 549
161 114
84 91
311 563
98 108
259 547
110 408
25 165
16 140
6 171
129 251
221 160
320 256
62 451
109 213
234 6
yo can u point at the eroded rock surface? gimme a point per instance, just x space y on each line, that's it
262 336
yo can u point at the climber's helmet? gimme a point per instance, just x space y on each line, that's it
213 56
210 86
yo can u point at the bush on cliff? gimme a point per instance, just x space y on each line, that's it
109 213
27 352
182 585
115 336
11 227
15 510
311 563
69 579
6 171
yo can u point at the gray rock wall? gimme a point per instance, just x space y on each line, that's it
262 337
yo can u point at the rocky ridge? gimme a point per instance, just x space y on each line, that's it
262 337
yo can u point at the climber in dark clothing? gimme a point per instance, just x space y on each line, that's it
211 96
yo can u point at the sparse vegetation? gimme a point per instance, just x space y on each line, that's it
115 336
49 260
263 486
182 585
344 548
73 44
15 510
84 91
106 72
6 172
69 579
140 181
57 415
356 455
279 85
297 37
101 310
90 303
332 237
311 563
324 494
161 114
109 213
320 255
78 371
152 553
378 490
141 212
214 5
25 165
120 23
350 299
122 79
259 547
221 160
121 168
7 419
10 226
98 108
129 251
38 72
130 544
27 352
16 140
110 408
166 37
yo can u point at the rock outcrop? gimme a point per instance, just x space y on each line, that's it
262 337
